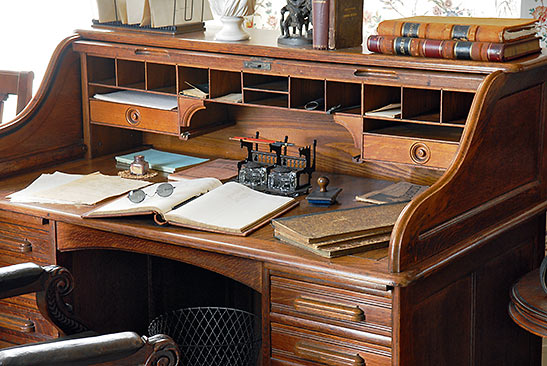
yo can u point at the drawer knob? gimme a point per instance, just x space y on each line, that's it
133 116
17 324
323 308
28 326
420 153
322 354
25 246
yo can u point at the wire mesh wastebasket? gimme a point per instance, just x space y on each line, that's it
211 336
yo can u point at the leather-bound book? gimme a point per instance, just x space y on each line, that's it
320 14
452 49
345 23
498 30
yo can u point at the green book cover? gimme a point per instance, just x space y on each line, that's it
161 160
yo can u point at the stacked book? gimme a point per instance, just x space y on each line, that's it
479 39
348 231
337 23
340 232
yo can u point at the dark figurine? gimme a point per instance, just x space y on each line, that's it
296 16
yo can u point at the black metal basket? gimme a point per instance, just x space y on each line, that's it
211 336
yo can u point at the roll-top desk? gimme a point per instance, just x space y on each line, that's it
437 295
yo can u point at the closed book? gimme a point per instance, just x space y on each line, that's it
345 23
452 49
339 225
499 30
320 18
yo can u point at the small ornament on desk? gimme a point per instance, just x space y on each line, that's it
231 13
296 19
323 196
139 169
275 171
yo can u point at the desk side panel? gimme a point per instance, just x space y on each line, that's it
49 129
466 303
496 180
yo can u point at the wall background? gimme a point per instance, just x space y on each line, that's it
31 29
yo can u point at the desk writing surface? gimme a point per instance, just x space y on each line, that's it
260 245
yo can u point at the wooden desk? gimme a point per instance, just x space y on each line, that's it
436 296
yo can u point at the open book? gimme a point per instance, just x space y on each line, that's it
231 208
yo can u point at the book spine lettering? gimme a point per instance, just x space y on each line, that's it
410 30
402 46
460 32
320 15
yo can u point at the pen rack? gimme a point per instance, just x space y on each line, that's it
276 171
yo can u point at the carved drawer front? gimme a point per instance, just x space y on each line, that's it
337 311
134 117
292 346
24 239
408 150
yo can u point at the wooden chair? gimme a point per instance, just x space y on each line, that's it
80 347
15 83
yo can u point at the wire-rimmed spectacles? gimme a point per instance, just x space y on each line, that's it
163 190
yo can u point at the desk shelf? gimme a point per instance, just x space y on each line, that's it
349 99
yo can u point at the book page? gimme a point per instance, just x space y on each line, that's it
232 208
184 190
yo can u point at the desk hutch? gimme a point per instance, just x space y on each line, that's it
437 295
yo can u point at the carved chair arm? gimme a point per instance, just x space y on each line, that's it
51 285
20 279
158 350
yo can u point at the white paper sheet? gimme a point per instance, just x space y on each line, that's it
64 188
143 99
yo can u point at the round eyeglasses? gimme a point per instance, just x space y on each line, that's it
138 195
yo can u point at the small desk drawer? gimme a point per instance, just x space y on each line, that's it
408 150
134 117
292 346
24 239
25 322
328 309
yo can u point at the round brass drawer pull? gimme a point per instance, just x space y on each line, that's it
133 116
420 153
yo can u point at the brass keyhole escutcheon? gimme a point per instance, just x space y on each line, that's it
133 116
420 153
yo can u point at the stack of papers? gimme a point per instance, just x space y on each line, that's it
75 189
143 99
